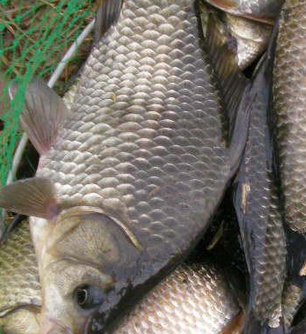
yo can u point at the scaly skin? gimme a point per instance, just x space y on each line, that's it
259 213
290 109
195 298
19 280
251 38
146 144
259 10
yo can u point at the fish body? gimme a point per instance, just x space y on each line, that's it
289 106
196 297
294 289
259 213
251 38
20 291
130 182
259 10
19 279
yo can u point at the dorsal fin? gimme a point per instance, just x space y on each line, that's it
107 15
31 197
43 116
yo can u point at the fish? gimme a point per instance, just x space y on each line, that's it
259 211
243 39
210 305
264 11
288 103
294 294
20 291
251 38
195 298
129 179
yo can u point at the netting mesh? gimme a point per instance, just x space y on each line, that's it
34 36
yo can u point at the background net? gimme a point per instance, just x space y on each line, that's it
34 36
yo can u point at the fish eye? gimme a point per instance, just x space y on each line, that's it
88 297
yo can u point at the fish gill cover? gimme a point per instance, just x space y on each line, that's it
34 36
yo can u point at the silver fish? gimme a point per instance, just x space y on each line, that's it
20 291
128 181
195 298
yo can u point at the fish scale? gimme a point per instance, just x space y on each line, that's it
260 10
195 297
19 268
129 182
169 307
260 213
289 106
146 128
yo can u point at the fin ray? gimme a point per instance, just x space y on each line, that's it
43 116
32 197
108 13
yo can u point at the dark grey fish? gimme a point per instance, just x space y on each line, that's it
259 213
289 105
128 181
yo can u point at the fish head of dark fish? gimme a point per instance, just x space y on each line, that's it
87 262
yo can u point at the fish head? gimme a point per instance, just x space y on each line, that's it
87 263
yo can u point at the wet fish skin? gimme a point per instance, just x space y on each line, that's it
193 299
289 106
137 169
21 321
294 293
258 209
259 10
20 291
202 287
17 257
251 38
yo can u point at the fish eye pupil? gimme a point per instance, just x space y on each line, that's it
81 296
88 296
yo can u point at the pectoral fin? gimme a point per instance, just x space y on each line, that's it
33 197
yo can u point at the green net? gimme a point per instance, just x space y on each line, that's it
34 36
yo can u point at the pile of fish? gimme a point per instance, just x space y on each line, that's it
170 194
